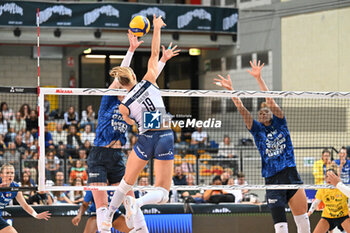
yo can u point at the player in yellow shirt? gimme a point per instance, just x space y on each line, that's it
335 212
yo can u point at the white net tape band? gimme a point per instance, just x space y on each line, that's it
199 187
203 93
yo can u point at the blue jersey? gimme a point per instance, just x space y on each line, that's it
111 125
7 197
89 198
345 171
274 145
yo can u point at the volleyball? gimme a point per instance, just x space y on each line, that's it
139 25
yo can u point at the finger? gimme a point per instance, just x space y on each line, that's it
171 44
163 48
251 64
250 72
259 63
222 78
175 54
140 42
228 77
174 47
262 66
217 80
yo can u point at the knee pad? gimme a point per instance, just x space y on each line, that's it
278 214
124 187
165 195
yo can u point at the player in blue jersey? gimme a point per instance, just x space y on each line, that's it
7 174
91 226
272 138
145 97
344 166
105 159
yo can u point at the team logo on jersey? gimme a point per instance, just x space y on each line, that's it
152 120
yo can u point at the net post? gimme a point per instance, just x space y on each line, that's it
41 134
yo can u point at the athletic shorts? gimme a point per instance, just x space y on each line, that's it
116 215
155 144
3 223
335 222
280 198
105 164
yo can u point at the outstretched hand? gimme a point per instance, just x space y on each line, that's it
158 22
226 83
44 215
169 52
333 178
133 42
256 69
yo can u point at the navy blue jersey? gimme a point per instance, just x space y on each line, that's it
7 197
345 171
274 145
89 198
110 126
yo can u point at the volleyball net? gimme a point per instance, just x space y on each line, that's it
210 136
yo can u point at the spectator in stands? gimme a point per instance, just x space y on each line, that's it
226 150
73 139
7 112
2 146
48 137
192 195
224 178
241 181
30 174
217 196
3 125
87 135
77 197
179 178
71 117
46 107
18 124
21 147
87 147
78 171
25 182
12 156
88 118
198 138
320 166
235 192
59 136
344 166
60 196
28 139
52 164
143 181
25 111
186 134
61 152
32 122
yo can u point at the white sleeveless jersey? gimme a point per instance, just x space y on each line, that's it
143 97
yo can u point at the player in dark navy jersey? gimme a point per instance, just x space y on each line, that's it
7 174
91 226
272 138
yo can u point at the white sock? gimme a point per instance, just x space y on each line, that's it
117 199
281 227
100 214
303 223
153 197
140 225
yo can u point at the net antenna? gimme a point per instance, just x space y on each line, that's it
175 93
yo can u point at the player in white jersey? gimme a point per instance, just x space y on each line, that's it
144 99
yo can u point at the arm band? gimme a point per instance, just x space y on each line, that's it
160 67
314 205
343 188
127 59
34 214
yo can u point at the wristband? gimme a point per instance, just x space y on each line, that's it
34 214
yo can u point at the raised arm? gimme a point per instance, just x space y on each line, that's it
227 83
152 68
43 215
256 73
133 45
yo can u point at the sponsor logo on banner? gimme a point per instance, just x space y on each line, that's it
90 188
220 211
12 9
64 91
16 90
184 20
108 10
61 10
229 22
151 211
151 11
152 120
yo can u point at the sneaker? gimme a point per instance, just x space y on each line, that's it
130 211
